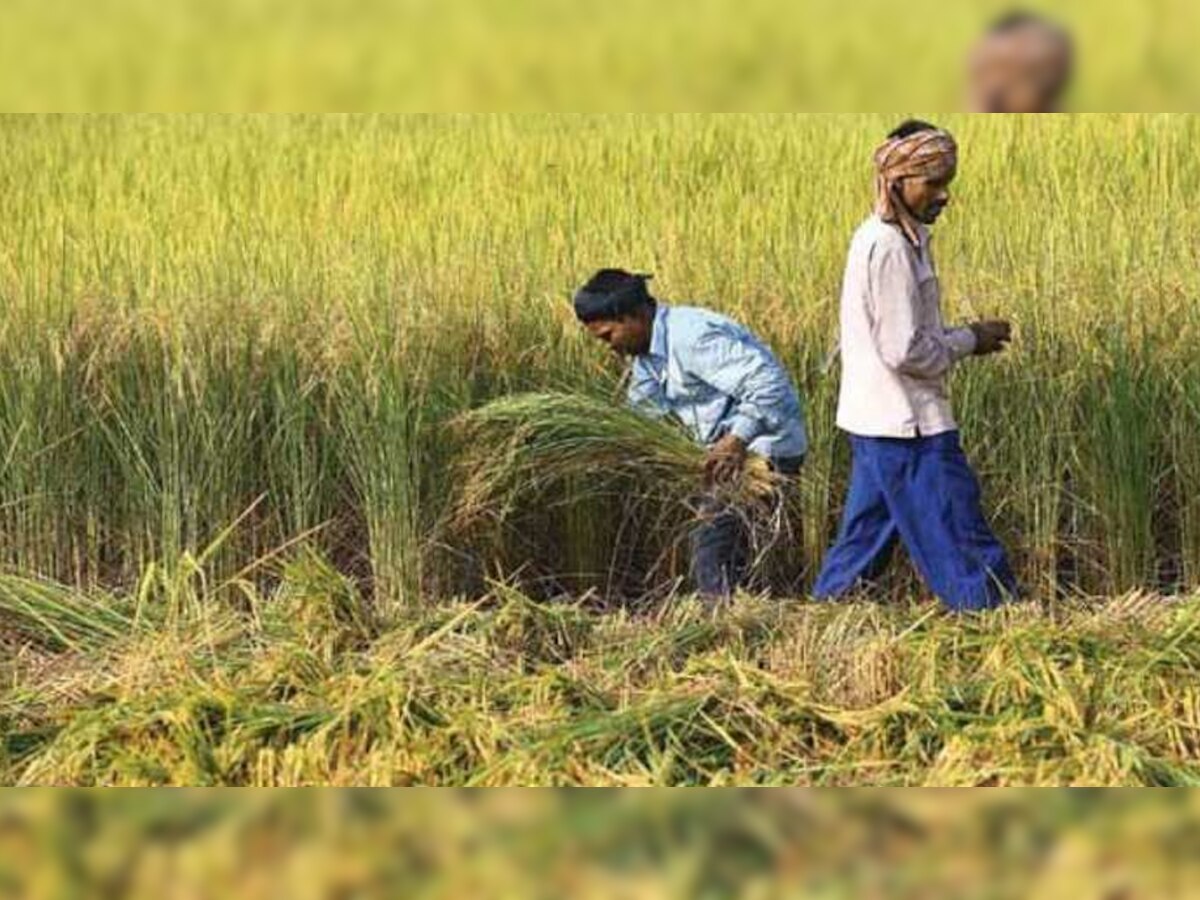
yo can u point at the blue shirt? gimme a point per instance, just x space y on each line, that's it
716 378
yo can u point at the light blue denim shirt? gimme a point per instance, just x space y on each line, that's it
716 377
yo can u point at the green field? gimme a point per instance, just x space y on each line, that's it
233 348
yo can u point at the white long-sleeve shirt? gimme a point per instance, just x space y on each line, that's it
896 352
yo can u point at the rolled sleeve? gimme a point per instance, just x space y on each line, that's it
745 427
961 342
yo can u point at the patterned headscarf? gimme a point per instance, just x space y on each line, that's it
931 153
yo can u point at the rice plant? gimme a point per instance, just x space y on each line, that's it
303 687
234 347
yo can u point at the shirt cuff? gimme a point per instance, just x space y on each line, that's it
961 342
745 427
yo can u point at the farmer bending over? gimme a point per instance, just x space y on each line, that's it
909 479
721 382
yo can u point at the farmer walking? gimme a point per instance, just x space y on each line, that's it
909 480
722 384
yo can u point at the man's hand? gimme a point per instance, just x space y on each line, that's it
725 460
991 336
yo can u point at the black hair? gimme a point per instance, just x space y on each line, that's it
911 126
606 281
611 294
1016 19
1021 18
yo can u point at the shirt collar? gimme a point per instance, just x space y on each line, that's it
924 238
658 333
924 232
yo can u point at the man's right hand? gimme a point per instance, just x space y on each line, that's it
991 336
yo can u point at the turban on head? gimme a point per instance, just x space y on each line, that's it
611 294
930 153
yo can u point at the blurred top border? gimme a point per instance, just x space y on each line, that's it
620 55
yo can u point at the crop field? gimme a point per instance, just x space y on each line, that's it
235 360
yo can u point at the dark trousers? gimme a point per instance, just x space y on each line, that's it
922 492
720 543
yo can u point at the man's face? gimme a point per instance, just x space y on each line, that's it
629 335
926 197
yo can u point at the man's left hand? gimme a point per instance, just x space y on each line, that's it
725 460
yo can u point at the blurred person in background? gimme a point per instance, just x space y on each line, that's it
722 383
910 480
1022 64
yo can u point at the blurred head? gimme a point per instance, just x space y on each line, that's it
1021 65
913 171
615 307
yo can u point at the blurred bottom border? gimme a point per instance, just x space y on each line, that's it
301 843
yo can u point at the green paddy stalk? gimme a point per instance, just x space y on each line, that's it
205 310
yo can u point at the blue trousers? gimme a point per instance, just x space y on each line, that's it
920 491
720 543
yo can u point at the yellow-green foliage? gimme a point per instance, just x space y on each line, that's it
305 687
230 358
514 55
205 314
989 845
